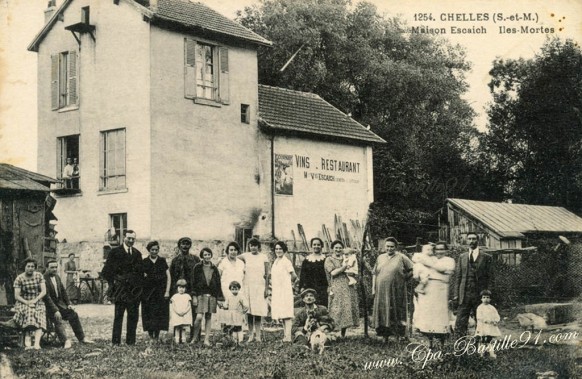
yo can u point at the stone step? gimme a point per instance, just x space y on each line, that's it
555 313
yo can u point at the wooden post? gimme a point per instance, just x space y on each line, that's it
362 286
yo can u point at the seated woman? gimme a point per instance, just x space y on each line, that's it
29 290
310 318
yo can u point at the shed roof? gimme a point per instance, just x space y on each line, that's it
16 178
190 15
284 110
516 220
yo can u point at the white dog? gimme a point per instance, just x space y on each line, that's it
318 339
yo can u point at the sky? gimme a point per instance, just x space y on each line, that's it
21 20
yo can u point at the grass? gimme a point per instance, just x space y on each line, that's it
348 358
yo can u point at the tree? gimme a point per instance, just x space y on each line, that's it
407 87
534 141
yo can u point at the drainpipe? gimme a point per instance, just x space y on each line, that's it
273 185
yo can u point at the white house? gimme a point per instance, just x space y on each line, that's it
160 104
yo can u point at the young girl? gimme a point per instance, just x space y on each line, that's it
255 287
236 307
180 312
487 320
208 292
351 261
282 278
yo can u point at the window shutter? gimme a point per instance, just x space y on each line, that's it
223 88
73 82
54 82
189 68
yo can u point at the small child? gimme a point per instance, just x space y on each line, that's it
420 270
487 320
236 307
351 261
181 312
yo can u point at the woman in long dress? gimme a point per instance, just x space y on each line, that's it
71 271
431 311
29 290
282 278
390 273
156 292
257 269
343 298
231 269
313 272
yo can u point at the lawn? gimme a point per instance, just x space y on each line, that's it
350 357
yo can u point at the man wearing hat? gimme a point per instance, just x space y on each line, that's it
310 317
182 266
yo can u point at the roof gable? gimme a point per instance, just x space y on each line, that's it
186 14
287 111
516 220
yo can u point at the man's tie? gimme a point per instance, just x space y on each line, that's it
54 280
129 250
472 259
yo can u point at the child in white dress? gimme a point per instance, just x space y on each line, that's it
351 261
420 271
235 307
180 312
487 320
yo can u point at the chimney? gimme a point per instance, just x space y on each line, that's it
50 9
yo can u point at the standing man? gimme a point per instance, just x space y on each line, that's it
474 273
59 307
182 266
68 173
123 271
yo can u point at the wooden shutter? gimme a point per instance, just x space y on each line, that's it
73 82
55 82
223 85
189 68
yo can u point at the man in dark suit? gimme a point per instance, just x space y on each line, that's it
123 271
59 307
474 273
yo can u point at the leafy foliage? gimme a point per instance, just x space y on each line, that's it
535 126
408 88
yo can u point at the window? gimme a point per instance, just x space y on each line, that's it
64 84
242 235
117 226
245 113
112 156
68 165
206 72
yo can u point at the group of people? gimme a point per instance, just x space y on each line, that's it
242 288
41 299
433 270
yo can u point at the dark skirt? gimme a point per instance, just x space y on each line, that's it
155 311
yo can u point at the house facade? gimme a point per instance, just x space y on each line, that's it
158 103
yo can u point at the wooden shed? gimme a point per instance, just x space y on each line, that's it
505 225
25 230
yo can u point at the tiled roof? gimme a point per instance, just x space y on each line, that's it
182 12
285 110
199 15
515 220
12 177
